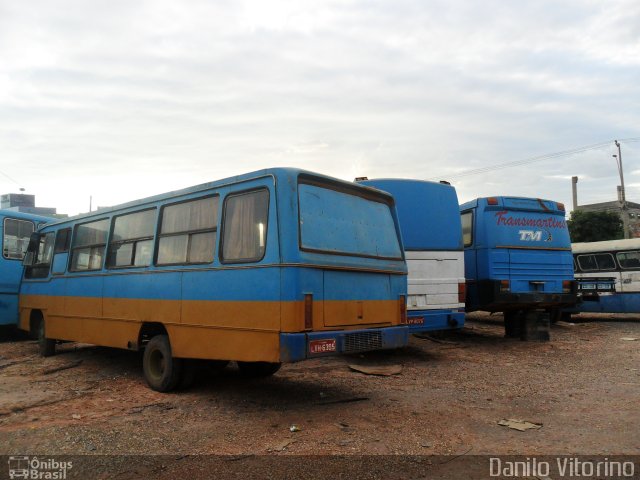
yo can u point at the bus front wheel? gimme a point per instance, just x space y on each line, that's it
46 345
161 371
258 369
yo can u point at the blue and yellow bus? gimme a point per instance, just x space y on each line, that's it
432 238
517 258
273 266
15 230
608 276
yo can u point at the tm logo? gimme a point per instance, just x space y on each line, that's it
534 235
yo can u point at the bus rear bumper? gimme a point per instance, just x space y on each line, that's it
493 300
295 347
434 320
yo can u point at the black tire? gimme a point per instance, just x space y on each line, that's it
512 324
161 371
258 369
47 346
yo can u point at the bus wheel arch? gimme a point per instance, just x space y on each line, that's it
37 329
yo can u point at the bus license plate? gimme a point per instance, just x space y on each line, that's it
415 321
322 346
588 286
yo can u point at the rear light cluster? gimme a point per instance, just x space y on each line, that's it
462 291
403 309
308 311
505 286
566 286
492 201
560 206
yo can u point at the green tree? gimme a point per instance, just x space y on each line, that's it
595 226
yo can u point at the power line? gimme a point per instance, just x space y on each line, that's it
9 178
539 158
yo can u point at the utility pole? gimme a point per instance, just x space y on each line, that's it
623 199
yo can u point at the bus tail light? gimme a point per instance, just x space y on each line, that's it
492 201
566 286
462 291
308 311
403 309
504 286
560 206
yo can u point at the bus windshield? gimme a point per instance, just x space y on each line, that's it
341 223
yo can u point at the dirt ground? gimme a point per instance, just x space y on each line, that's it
583 387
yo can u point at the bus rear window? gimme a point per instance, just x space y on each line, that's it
16 238
342 223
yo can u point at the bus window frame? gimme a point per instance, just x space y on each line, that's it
73 247
620 264
597 269
43 269
471 213
4 229
223 224
159 235
366 195
134 241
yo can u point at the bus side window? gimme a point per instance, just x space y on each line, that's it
188 232
89 241
15 239
467 228
587 263
244 230
630 260
42 259
61 251
131 243
605 261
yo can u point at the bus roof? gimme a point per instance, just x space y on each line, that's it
529 204
427 211
25 216
606 246
279 173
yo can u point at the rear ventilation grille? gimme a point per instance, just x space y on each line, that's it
362 341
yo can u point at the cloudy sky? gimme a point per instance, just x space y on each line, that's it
119 99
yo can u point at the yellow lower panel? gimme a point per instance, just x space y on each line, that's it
107 333
222 344
365 312
260 315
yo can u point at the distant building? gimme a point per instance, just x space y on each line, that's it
633 210
21 202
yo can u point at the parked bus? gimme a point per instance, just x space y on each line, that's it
517 258
432 239
15 230
608 275
273 266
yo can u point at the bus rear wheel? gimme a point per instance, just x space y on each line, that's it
161 371
47 346
258 369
